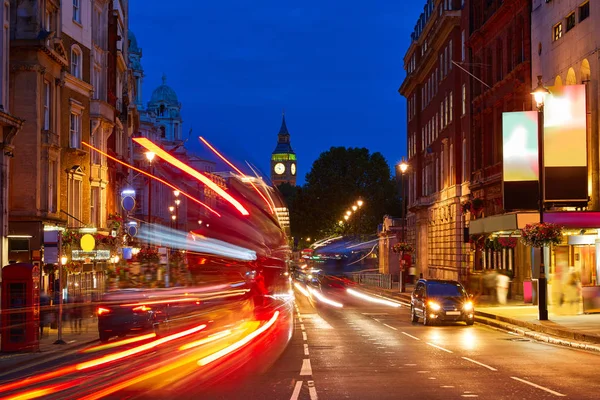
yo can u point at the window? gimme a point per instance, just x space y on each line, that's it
570 21
450 55
96 82
464 160
75 131
464 99
463 45
46 105
557 31
77 11
52 168
97 143
584 11
95 211
76 62
74 199
450 108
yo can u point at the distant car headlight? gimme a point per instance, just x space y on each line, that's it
468 306
433 306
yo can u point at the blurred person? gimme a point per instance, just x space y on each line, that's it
572 289
502 284
45 312
77 314
489 283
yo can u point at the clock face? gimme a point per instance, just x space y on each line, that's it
279 168
293 169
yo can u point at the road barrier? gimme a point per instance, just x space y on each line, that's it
375 279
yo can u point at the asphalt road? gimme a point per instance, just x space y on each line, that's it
362 350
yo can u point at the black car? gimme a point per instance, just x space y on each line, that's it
441 300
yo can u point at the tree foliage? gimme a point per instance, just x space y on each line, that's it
337 179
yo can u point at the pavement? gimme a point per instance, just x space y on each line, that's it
73 337
581 331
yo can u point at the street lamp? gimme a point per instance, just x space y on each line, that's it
177 202
403 166
539 93
63 262
150 156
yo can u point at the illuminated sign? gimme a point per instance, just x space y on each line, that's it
77 255
520 146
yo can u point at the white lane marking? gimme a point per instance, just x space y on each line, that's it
438 347
374 313
447 387
296 391
478 363
469 395
300 319
391 327
432 377
539 387
381 347
302 326
305 349
304 336
306 368
422 372
376 320
410 336
372 339
410 365
312 390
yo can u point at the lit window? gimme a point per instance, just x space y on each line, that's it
557 31
77 11
46 105
464 99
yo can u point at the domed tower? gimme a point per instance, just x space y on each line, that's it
283 159
166 108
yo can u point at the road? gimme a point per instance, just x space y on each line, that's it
361 350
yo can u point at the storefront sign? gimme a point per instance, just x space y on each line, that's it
79 255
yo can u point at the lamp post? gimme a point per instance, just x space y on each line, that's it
61 271
171 210
150 156
539 93
403 166
177 202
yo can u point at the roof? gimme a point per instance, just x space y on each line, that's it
133 44
283 130
164 94
283 139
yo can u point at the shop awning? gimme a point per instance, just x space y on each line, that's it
514 221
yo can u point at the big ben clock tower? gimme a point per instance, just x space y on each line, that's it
283 159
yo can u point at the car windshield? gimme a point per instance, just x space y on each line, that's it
445 290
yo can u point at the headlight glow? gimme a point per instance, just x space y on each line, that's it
468 306
433 306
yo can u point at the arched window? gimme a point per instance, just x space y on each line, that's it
76 61
163 132
558 81
571 78
586 72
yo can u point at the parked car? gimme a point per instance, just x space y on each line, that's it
441 300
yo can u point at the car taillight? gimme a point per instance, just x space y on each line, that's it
102 310
141 309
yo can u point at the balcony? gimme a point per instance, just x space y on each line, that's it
50 138
101 109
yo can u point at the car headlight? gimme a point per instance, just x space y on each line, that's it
468 306
433 306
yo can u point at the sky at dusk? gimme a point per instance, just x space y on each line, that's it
334 66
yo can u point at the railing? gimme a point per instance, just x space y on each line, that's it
375 279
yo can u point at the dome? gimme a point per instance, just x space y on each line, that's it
164 94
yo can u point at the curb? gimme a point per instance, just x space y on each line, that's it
561 337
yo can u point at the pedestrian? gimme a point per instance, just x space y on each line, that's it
502 284
489 284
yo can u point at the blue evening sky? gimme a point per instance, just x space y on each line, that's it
334 66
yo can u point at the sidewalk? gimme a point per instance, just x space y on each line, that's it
579 331
75 339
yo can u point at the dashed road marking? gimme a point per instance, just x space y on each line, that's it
410 336
302 326
306 368
300 319
296 391
304 336
391 327
539 387
447 386
312 390
478 363
438 347
305 349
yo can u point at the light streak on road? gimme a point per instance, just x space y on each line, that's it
239 343
238 171
324 299
136 350
45 391
152 177
150 146
302 289
206 340
372 299
119 343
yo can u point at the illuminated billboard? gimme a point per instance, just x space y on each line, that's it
565 145
520 160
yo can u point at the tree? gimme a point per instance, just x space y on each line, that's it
337 179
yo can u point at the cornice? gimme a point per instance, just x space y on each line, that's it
77 85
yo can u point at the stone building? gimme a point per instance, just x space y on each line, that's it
436 138
10 126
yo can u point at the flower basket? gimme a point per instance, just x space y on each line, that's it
176 258
541 234
466 207
476 206
74 267
115 221
477 241
507 242
492 244
49 269
70 237
402 248
148 255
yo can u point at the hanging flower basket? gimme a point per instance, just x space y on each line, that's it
49 269
70 237
115 220
176 258
492 244
478 241
541 234
148 255
507 242
74 267
402 248
476 206
466 207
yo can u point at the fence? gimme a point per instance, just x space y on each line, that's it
383 281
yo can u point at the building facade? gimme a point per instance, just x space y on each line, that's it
283 159
436 137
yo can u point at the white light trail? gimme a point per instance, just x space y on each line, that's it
372 299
